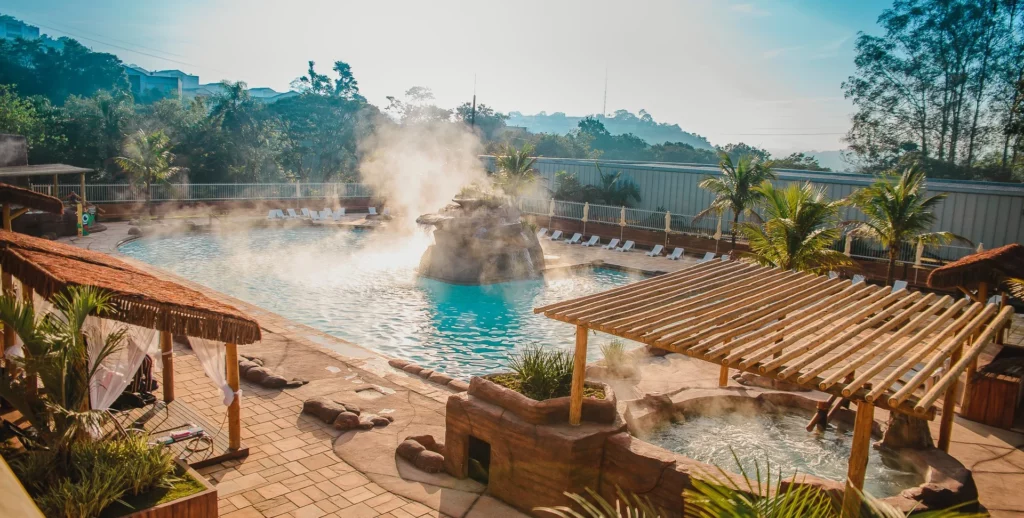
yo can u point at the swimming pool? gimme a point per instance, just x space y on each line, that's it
362 286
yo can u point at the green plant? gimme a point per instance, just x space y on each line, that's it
898 211
543 373
56 356
615 357
626 506
613 189
798 231
735 189
147 159
515 169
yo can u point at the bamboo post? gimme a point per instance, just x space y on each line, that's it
167 364
858 459
983 292
579 375
949 403
723 375
235 408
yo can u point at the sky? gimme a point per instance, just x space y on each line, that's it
767 73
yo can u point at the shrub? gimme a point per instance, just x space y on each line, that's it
543 373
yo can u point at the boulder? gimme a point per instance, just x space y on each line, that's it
440 379
396 363
458 385
410 449
323 408
412 369
257 375
904 431
346 421
380 420
245 365
427 441
429 462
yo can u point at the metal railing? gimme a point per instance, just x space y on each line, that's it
860 248
128 193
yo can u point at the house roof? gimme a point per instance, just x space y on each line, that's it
29 199
44 169
864 343
990 266
139 297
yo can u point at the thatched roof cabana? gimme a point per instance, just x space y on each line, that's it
867 344
989 267
29 199
141 299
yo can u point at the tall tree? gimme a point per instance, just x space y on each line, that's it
800 226
148 160
735 189
899 211
58 71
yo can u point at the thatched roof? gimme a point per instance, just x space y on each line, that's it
140 298
990 266
29 199
864 343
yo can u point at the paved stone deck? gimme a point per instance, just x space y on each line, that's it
301 467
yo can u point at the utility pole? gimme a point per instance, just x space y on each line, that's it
604 106
472 114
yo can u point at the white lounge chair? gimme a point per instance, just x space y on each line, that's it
325 215
280 214
292 214
593 241
725 258
373 211
626 247
707 257
574 239
611 244
306 214
857 278
899 285
338 213
656 251
542 233
556 235
676 254
833 275
314 215
271 215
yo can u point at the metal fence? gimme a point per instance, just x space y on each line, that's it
859 248
127 193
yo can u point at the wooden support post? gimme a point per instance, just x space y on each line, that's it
982 292
81 180
56 187
723 375
167 364
235 408
6 281
858 459
579 376
949 403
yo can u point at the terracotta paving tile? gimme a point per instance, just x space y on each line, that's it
339 501
319 460
248 512
296 468
239 485
385 502
239 501
297 483
296 454
279 510
359 511
273 490
329 488
309 511
415 509
358 494
291 443
299 499
350 480
315 493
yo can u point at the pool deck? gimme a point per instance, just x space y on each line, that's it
300 467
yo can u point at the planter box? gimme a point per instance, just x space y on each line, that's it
202 504
551 411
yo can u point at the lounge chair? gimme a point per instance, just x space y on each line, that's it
593 241
556 235
574 239
338 213
676 254
899 285
833 275
280 215
626 247
306 214
325 215
314 215
725 258
611 244
542 233
373 211
857 278
656 251
292 214
271 215
707 257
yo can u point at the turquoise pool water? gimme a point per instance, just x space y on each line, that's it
362 287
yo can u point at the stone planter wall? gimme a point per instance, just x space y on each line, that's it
551 411
203 503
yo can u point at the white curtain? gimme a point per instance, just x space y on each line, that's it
118 369
211 357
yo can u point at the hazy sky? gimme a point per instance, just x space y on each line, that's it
764 72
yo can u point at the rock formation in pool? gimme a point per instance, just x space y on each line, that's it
480 241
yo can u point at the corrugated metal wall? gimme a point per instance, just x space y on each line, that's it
984 212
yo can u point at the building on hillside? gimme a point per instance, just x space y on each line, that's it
12 28
178 84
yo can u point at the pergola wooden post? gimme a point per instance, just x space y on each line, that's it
5 279
167 364
56 187
949 403
858 459
579 376
235 408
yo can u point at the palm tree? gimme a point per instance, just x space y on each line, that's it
515 169
147 159
56 355
614 189
898 211
799 229
734 190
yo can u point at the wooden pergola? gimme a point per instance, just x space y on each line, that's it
867 344
48 267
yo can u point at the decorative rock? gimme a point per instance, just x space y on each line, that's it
347 421
245 365
134 231
257 374
365 423
398 364
410 449
458 385
412 369
427 441
429 462
426 373
905 431
380 420
323 408
440 379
